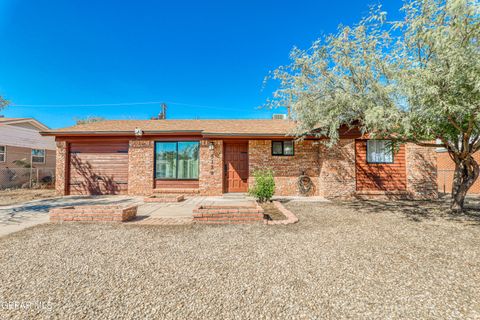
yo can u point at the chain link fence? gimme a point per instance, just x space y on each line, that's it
34 178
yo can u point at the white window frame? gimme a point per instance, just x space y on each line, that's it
44 156
379 148
4 153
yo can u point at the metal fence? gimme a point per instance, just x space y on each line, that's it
27 178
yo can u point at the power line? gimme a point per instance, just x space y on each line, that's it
121 104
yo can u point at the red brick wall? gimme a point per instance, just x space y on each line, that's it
286 169
421 171
380 176
446 167
333 171
337 170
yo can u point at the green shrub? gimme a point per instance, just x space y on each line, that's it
264 186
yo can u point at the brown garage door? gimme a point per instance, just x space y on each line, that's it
98 168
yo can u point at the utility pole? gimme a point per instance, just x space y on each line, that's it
163 113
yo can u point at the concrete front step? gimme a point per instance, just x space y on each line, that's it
234 196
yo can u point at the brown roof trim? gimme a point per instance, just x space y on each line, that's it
118 133
212 134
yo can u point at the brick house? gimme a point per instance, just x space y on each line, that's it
212 157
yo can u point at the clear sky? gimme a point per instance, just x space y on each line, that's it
206 59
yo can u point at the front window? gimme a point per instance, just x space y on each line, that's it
379 151
282 148
176 160
38 156
3 151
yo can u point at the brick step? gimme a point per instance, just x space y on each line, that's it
226 222
176 190
164 198
228 214
228 219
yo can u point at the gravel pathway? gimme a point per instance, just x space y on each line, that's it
340 261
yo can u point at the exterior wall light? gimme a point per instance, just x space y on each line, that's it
211 146
138 132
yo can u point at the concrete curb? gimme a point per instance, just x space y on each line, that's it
291 218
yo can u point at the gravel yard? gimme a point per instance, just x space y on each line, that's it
13 196
342 260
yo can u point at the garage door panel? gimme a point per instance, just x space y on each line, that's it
98 168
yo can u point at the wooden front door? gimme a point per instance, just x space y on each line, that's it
236 167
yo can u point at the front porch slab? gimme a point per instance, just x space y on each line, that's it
164 198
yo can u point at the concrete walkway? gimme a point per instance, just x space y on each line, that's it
20 216
17 217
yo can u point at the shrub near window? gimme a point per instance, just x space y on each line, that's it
264 186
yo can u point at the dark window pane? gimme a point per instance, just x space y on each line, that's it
277 148
379 151
166 160
38 155
288 148
188 160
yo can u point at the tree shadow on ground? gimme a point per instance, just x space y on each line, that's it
419 211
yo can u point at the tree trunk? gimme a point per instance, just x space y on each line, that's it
466 173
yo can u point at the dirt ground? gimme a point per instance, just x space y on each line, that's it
13 196
342 260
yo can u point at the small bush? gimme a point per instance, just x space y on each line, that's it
264 186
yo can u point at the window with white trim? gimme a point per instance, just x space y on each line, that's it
3 153
379 151
38 155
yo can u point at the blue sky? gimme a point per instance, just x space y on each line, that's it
206 59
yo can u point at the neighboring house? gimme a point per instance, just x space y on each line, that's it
212 157
446 168
20 140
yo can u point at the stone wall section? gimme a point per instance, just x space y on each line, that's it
211 168
337 178
421 172
141 167
61 168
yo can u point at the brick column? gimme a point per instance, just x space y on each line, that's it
421 171
61 167
140 167
211 168
337 177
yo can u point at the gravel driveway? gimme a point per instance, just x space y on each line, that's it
342 260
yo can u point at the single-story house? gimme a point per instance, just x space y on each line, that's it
24 154
213 157
20 140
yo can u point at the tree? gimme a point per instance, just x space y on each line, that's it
88 119
3 102
413 80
